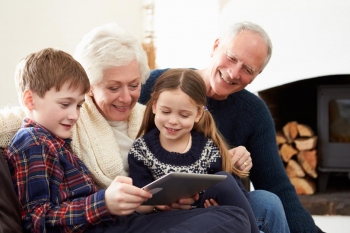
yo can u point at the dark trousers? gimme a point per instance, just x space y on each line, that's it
229 192
219 219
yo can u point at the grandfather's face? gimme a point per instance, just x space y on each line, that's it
235 64
118 91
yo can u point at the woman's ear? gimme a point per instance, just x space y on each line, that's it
90 93
28 99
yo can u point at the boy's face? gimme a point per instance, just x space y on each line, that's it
58 111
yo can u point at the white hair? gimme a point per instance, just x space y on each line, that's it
110 46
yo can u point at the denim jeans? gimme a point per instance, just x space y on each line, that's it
268 211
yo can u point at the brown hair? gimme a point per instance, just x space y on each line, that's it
192 84
48 68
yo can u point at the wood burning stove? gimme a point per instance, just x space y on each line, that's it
316 102
333 127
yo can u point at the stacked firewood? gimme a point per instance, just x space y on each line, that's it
297 148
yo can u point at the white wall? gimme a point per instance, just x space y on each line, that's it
311 38
28 26
185 32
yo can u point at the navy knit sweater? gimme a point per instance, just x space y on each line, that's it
149 161
244 119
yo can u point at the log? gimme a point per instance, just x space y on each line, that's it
280 138
305 130
287 151
303 186
305 143
290 131
308 161
293 169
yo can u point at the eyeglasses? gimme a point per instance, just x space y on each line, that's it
234 60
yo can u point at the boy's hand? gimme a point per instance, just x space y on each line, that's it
122 198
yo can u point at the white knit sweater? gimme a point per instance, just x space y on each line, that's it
94 142
10 122
92 139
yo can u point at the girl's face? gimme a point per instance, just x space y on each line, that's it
118 91
175 114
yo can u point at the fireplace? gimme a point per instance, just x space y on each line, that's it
320 103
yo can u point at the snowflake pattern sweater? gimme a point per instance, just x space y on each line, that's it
148 160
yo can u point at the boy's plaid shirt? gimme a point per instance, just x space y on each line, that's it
54 187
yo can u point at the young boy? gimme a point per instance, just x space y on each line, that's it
55 189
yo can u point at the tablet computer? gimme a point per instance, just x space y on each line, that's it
176 185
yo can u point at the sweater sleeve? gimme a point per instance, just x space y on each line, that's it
10 122
147 88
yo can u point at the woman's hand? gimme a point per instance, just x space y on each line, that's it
122 198
241 159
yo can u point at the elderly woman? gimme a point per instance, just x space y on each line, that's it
110 119
111 116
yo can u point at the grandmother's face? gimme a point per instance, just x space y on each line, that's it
118 91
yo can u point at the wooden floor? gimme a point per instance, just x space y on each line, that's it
334 201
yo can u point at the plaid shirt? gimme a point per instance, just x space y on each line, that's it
54 187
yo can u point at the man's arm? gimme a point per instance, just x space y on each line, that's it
268 172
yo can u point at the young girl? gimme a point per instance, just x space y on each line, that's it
179 135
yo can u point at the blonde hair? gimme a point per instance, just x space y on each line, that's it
191 83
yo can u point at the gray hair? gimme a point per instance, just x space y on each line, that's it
110 46
248 26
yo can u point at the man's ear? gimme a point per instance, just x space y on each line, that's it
28 99
215 47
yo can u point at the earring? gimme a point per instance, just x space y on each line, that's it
90 93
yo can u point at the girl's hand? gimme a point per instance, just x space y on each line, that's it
185 203
210 202
241 159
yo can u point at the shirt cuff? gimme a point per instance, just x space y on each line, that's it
96 209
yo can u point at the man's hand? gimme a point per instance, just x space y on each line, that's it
122 198
241 159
